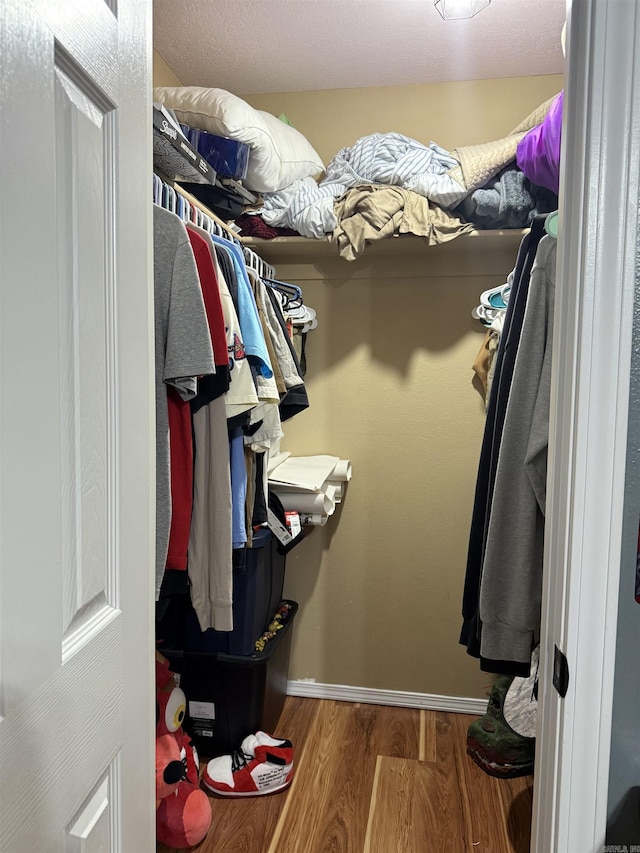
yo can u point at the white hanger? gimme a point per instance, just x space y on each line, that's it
485 315
177 203
496 297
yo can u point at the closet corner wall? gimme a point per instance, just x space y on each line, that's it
391 388
163 75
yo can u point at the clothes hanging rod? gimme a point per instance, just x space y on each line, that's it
258 263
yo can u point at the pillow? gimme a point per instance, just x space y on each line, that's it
279 154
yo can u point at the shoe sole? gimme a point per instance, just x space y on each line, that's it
246 793
500 771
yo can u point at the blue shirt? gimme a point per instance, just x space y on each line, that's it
252 334
238 487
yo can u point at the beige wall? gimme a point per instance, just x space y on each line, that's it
162 74
448 113
391 388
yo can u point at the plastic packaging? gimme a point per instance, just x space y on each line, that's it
228 157
538 154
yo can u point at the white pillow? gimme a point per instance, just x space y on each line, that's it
279 154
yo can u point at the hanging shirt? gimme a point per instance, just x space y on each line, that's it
496 412
209 543
511 586
183 350
295 399
238 487
210 387
253 337
240 394
210 557
180 430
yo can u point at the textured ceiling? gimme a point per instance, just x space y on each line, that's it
256 46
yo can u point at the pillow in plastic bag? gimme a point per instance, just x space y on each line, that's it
538 154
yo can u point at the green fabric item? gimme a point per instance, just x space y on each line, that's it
494 745
284 119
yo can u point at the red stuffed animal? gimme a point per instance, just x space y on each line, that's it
183 812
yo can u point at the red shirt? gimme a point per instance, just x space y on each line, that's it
180 434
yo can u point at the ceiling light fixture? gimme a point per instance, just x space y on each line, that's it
451 9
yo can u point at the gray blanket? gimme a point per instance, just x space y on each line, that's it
509 200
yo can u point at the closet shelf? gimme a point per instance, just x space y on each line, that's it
300 250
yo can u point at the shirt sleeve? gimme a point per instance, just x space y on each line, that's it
188 352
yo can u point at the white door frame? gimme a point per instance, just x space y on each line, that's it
588 430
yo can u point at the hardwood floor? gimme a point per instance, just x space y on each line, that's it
375 779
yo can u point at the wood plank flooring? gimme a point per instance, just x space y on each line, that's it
376 779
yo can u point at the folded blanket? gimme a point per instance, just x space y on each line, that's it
253 225
371 213
389 160
508 200
479 163
303 206
395 160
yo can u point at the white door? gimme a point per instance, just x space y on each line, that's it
76 428
600 192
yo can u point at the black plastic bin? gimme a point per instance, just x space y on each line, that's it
258 580
231 696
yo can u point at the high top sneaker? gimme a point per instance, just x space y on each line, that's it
262 765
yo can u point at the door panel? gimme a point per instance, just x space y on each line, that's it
76 428
94 829
84 171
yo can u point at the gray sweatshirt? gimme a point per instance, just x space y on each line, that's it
182 346
511 582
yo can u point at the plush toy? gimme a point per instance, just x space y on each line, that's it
183 812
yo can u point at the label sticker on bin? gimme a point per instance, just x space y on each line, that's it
203 716
202 710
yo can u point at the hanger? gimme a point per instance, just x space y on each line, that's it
291 292
189 209
485 315
496 297
255 262
250 259
157 189
551 224
173 200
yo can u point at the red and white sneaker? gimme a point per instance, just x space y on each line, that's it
262 765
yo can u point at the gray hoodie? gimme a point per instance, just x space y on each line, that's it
511 583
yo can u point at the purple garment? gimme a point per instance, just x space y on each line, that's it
538 154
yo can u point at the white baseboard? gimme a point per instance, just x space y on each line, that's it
397 698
